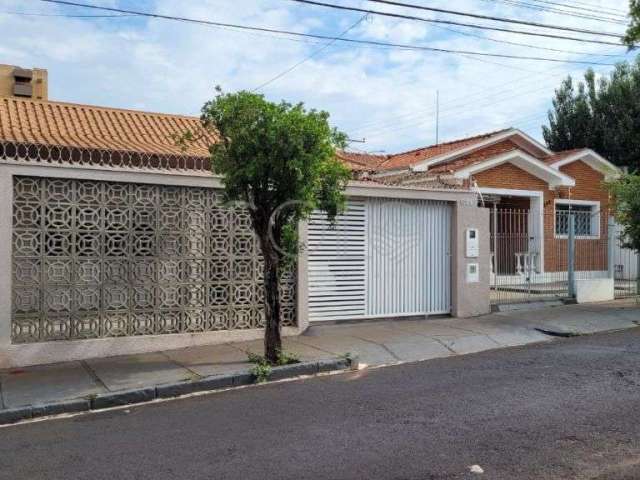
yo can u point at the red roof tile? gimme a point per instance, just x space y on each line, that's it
412 157
361 161
92 127
557 156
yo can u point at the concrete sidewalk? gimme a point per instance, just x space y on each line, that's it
375 343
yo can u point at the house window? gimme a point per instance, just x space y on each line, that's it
586 219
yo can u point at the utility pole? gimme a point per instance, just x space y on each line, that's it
437 116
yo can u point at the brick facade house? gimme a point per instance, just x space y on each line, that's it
531 190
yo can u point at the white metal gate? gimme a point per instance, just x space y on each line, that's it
383 258
337 265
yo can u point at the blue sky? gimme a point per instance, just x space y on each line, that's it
386 96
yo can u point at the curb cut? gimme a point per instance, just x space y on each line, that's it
171 390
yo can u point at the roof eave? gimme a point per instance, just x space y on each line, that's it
522 160
601 164
424 165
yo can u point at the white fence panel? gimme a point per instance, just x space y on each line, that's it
337 265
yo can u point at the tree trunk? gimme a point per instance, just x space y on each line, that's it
272 340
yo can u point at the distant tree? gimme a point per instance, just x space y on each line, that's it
633 31
600 114
279 159
571 122
626 208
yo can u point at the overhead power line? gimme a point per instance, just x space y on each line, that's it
458 13
528 45
37 14
617 19
461 103
460 24
313 54
590 7
324 37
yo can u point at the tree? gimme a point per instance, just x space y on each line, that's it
570 124
633 31
625 192
600 114
279 159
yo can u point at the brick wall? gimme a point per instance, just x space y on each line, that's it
590 254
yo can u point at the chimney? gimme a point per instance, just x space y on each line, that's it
23 83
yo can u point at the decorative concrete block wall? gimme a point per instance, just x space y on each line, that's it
97 259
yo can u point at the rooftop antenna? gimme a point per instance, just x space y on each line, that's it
437 116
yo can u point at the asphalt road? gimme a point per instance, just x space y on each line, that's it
565 410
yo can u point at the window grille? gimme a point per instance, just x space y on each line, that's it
583 219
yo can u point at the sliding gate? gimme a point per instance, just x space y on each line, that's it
382 258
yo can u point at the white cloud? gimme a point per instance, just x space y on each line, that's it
385 95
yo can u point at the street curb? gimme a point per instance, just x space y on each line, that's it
171 390
124 397
68 406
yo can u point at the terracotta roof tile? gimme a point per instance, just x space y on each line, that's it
361 161
92 127
407 159
474 158
557 156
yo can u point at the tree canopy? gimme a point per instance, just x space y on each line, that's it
633 31
601 114
626 208
280 159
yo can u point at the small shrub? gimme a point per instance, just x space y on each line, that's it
262 368
287 358
261 371
255 358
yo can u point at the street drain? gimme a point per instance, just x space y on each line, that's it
557 333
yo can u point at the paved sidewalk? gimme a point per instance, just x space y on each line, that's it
375 343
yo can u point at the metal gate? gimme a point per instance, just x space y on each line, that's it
382 258
538 256
626 265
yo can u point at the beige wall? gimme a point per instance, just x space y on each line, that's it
467 299
39 82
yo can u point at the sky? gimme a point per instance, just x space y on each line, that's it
383 98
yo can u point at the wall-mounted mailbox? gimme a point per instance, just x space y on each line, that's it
473 273
472 243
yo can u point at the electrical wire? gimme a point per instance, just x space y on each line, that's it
460 24
583 6
454 12
518 44
35 14
617 20
460 103
326 37
323 37
313 54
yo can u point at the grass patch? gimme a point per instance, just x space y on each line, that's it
262 368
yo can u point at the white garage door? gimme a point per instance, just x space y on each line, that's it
383 258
